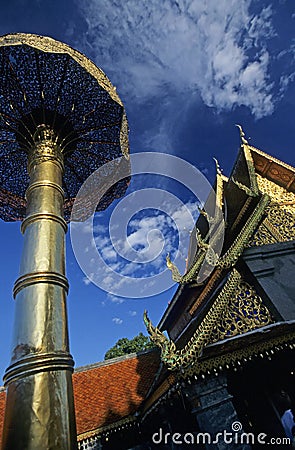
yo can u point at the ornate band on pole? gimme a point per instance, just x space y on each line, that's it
40 406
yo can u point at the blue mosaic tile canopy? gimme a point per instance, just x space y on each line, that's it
47 82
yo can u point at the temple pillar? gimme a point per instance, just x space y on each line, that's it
215 413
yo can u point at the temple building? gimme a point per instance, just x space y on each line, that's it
230 352
223 370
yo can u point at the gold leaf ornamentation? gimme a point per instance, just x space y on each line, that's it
176 275
168 348
234 252
245 312
179 359
279 225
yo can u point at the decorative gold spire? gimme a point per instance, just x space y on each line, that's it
242 135
251 190
218 169
219 190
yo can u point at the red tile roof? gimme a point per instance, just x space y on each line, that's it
109 391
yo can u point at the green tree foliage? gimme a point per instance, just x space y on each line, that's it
125 346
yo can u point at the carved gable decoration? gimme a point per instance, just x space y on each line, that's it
279 224
244 312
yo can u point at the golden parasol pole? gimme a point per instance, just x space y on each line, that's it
40 405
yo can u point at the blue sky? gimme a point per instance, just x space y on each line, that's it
186 71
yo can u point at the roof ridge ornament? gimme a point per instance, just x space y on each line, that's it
242 135
169 354
219 187
176 275
179 359
252 190
218 168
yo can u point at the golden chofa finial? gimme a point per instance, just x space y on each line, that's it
242 135
218 169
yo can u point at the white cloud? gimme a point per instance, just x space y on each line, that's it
217 49
132 313
117 320
150 238
129 269
183 215
287 57
286 80
109 253
261 27
100 228
86 281
102 240
152 235
115 299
